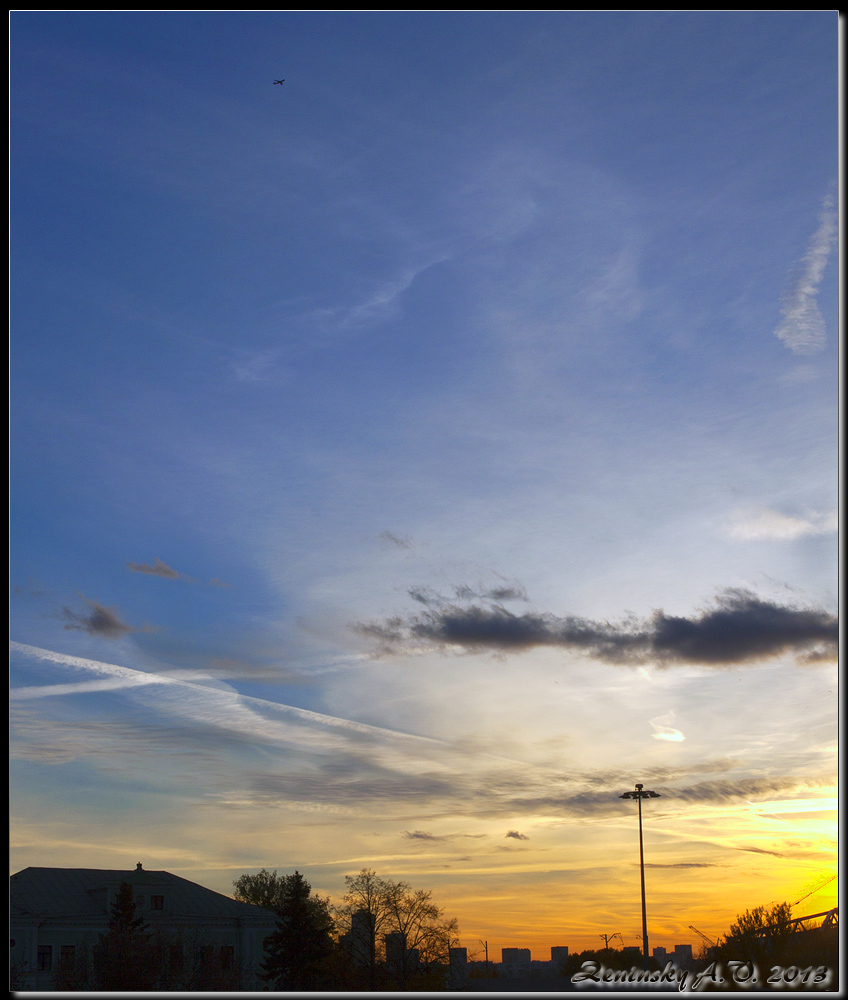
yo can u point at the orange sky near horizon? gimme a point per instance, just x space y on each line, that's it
568 883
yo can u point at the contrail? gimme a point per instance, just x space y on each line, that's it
229 703
227 709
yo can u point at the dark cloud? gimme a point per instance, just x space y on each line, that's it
157 569
739 628
510 797
504 593
515 835
432 598
32 589
761 850
231 668
727 790
392 539
425 595
355 785
100 621
688 864
420 835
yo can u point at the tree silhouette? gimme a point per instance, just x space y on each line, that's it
296 952
123 960
377 906
271 891
756 933
265 888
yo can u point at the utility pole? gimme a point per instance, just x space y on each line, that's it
608 937
486 946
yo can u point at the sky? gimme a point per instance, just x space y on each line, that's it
409 458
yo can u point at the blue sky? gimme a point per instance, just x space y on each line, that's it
522 318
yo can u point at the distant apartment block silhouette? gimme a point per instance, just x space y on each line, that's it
661 955
58 914
459 970
360 940
682 956
515 961
559 955
515 956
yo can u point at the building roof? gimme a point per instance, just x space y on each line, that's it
82 893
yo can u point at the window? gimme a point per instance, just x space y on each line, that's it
67 953
157 902
228 955
45 958
207 955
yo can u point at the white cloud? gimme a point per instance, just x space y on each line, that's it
663 730
803 328
764 523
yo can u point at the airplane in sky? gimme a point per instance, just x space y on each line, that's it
279 81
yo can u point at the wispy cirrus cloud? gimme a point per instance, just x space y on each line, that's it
739 628
314 761
803 328
383 303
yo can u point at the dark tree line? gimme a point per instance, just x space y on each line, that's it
320 947
298 953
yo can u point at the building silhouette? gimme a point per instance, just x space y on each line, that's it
682 956
515 961
559 955
360 940
58 914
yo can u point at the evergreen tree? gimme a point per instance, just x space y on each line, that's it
296 953
123 955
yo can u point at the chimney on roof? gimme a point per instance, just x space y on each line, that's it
138 867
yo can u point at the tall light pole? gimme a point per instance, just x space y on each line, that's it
639 794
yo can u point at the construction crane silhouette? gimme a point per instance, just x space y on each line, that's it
815 889
712 944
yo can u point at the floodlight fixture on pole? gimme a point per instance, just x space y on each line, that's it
640 794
